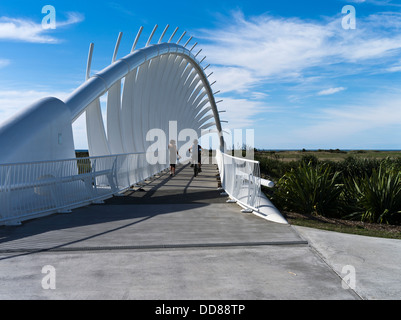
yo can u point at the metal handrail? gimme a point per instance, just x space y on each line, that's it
240 179
68 159
33 189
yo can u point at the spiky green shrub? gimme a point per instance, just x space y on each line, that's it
374 198
309 189
356 167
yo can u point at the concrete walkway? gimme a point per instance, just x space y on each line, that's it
177 238
375 262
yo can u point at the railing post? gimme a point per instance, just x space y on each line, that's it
63 184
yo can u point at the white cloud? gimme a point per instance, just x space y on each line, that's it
374 2
4 63
233 78
367 119
240 113
72 18
266 48
267 52
18 29
330 91
14 101
394 69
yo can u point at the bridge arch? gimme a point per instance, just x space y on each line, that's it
161 83
147 89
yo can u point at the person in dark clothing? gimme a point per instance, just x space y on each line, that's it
196 158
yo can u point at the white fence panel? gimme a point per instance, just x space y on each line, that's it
29 190
240 178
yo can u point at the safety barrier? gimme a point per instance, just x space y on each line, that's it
29 190
240 179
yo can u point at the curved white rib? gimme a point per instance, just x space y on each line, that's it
161 82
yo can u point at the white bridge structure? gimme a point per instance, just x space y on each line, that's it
146 90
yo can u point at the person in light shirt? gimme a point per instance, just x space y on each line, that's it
172 147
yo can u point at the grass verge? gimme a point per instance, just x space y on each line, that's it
344 226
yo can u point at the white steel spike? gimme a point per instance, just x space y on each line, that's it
172 36
116 47
89 62
182 36
151 36
186 43
136 39
193 46
164 32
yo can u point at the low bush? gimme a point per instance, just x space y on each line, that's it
374 198
309 189
355 188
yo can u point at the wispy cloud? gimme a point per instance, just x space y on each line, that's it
119 7
4 62
297 58
240 112
330 91
14 101
394 69
267 48
18 29
367 122
375 2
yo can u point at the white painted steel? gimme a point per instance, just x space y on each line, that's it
116 47
29 190
171 84
89 62
42 131
164 32
150 88
136 39
240 179
182 36
151 35
267 183
172 35
97 140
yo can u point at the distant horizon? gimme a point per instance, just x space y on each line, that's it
389 150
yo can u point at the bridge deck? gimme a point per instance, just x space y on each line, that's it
169 211
175 239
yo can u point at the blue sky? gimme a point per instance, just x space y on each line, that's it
286 69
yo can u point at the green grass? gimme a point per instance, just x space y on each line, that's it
344 228
328 155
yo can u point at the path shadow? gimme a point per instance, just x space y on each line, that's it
134 207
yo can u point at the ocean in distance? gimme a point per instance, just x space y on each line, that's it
278 150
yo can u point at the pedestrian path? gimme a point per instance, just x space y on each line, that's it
172 238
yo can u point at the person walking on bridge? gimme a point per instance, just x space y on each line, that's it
196 157
172 147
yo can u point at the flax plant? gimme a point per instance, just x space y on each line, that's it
309 189
374 198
